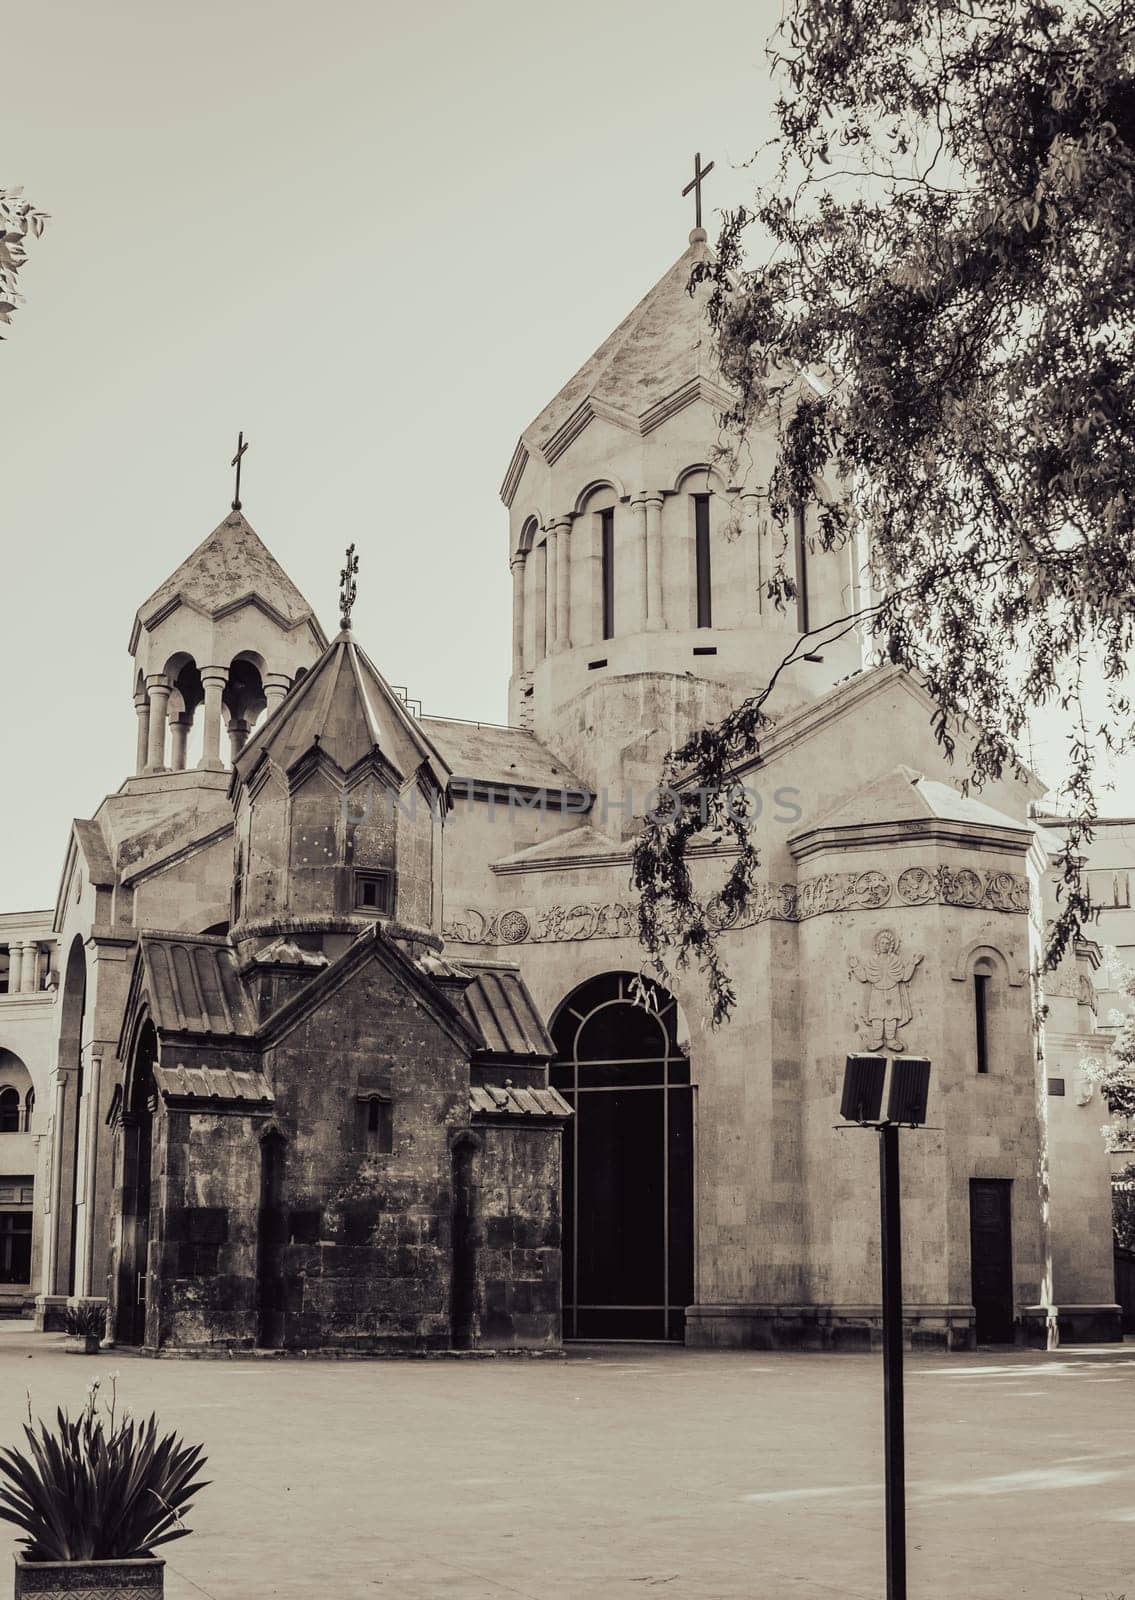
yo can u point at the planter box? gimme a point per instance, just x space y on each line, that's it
83 1344
141 1579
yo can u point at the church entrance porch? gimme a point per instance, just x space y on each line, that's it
628 1190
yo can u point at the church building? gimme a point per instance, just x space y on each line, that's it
355 1047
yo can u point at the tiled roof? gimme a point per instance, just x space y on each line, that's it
210 1083
193 985
502 1013
489 1101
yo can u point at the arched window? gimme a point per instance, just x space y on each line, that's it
9 1110
702 568
607 569
29 1110
982 980
628 1161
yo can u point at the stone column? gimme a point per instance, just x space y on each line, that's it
15 966
30 970
563 583
639 602
159 691
142 709
213 679
91 1090
238 737
516 567
654 614
753 530
276 686
179 741
551 566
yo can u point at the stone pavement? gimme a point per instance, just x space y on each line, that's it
624 1471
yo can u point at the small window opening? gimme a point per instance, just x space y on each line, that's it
374 892
9 1111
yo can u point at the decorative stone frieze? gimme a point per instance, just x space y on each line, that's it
785 902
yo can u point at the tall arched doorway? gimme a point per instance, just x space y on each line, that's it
628 1161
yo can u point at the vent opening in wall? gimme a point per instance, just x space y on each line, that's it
705 649
593 665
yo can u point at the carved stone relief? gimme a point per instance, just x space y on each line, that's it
887 975
786 902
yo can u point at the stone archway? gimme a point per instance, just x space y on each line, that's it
628 1161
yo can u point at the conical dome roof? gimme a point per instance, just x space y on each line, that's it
231 565
345 707
664 343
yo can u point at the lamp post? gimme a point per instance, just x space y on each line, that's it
906 1107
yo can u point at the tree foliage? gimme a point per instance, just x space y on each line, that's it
949 212
18 219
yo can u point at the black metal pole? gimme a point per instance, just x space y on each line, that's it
892 1360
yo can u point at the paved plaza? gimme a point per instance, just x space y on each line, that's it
619 1472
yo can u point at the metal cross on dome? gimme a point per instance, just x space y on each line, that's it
695 183
241 447
347 587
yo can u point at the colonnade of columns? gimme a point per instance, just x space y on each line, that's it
152 706
24 965
561 535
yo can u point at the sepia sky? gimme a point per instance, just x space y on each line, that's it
377 238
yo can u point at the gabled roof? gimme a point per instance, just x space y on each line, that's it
581 846
486 753
344 708
905 801
662 345
501 1011
372 945
193 985
903 795
231 565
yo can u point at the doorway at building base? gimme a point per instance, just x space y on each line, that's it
628 1161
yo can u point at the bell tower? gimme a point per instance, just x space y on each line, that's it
640 561
220 641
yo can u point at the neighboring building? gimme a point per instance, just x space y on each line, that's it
330 1013
28 986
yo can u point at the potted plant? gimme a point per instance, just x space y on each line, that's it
85 1325
94 1499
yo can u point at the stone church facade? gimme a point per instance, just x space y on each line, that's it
354 1047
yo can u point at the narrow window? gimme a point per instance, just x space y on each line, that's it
607 559
981 1018
29 1110
701 561
377 1117
802 607
9 1111
374 892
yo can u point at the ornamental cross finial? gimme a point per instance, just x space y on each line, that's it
695 182
347 587
241 447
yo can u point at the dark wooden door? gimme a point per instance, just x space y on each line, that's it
991 1258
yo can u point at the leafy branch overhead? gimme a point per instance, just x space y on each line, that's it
19 219
947 224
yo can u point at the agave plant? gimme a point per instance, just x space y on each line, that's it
97 1488
88 1317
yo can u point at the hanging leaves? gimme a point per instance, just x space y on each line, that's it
19 219
945 324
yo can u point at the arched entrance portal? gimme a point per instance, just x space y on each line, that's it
628 1161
